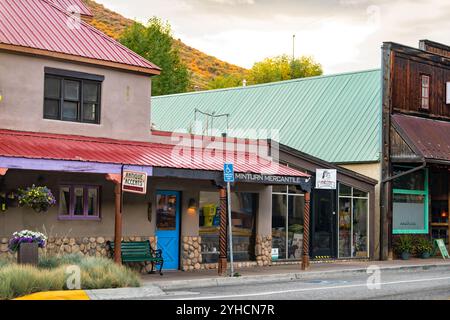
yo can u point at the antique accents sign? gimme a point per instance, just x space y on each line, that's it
326 179
135 182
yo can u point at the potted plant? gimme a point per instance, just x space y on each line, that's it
26 244
404 246
424 247
40 199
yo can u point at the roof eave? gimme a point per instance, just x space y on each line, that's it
79 59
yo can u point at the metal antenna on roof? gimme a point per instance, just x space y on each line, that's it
211 116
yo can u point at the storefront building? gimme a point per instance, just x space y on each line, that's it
416 142
342 217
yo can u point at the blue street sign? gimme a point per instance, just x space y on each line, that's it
228 172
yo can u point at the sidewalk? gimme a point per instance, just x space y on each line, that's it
172 280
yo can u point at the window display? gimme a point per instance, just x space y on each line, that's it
353 222
287 222
243 213
410 202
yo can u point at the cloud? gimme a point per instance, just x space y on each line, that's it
233 2
344 35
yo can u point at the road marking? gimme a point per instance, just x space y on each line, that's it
310 289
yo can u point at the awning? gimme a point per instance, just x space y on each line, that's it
427 138
43 151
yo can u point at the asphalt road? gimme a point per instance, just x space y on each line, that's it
399 285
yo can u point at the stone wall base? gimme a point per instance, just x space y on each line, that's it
86 246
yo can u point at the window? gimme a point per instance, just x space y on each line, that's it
287 222
243 214
425 93
410 202
79 202
353 222
72 96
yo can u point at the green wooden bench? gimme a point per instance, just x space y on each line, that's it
140 251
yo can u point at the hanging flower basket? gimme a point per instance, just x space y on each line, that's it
26 244
40 199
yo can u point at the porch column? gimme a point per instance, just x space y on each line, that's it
3 171
306 215
223 232
116 179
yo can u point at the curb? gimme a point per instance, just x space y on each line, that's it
219 282
124 293
57 295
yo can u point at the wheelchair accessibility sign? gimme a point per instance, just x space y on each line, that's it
228 172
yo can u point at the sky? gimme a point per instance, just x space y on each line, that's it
343 35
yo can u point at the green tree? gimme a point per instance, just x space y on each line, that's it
155 43
228 81
283 68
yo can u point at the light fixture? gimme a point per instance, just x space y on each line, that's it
192 204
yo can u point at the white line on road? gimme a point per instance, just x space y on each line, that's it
310 289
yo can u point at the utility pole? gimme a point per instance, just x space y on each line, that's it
293 47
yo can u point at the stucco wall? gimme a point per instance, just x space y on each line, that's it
135 208
125 105
372 170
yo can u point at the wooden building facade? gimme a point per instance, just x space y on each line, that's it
415 193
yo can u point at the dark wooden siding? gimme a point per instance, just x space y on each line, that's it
406 86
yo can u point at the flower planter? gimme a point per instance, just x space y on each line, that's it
28 253
405 255
425 255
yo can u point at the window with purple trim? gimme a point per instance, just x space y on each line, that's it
79 202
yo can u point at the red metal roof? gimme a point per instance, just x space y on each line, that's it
69 5
39 24
430 138
76 148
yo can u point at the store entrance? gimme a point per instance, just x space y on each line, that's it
324 225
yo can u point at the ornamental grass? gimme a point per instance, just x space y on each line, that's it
96 273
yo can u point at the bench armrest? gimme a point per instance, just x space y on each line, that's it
156 253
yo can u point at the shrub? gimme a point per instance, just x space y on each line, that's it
19 280
423 245
404 243
96 273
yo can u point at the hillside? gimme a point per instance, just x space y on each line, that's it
203 67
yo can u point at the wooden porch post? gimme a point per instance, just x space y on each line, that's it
116 179
223 232
306 218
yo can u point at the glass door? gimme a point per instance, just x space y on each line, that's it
324 224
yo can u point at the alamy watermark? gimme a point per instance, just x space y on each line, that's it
374 280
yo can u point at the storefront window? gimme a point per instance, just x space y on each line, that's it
410 202
243 213
287 222
353 222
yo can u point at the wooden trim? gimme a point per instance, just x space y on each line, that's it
73 58
115 178
3 171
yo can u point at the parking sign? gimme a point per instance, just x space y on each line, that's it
228 172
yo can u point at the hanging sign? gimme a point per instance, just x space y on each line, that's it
134 182
441 245
326 179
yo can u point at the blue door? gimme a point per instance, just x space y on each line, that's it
168 227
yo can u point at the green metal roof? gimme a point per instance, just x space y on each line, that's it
336 118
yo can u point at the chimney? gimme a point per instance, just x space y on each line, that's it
244 83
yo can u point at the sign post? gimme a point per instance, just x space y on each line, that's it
228 177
